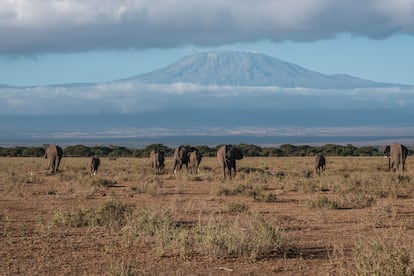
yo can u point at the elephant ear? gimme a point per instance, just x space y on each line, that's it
238 153
387 150
229 151
59 151
404 150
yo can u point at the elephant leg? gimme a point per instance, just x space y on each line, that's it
52 166
58 164
175 166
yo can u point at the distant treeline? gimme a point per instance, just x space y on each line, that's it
247 149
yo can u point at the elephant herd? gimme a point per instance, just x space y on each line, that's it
226 156
191 158
54 154
395 153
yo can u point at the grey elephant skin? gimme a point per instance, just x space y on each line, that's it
396 154
94 164
194 160
181 157
227 156
319 163
157 161
53 154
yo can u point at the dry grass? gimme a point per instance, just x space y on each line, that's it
356 218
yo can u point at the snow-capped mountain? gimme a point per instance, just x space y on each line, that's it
228 68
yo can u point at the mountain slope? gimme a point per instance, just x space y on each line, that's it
249 69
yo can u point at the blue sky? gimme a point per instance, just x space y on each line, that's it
68 41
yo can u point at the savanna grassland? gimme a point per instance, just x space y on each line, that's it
275 217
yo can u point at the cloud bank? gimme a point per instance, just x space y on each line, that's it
129 97
33 27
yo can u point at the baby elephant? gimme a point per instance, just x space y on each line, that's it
157 161
320 163
95 162
194 159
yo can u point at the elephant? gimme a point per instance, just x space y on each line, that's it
194 159
181 157
157 161
94 164
227 156
396 154
53 154
319 163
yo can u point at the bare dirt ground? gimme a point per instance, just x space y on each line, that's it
320 237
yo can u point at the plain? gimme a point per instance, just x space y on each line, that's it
275 217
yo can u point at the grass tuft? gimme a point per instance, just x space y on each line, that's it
111 213
237 207
322 202
376 255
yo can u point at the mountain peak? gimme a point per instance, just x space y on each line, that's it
232 68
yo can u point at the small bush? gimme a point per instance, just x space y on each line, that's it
160 228
111 213
322 202
152 187
242 189
250 191
195 178
356 202
253 238
236 207
148 222
76 218
270 198
103 182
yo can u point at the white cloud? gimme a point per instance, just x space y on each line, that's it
131 97
30 27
